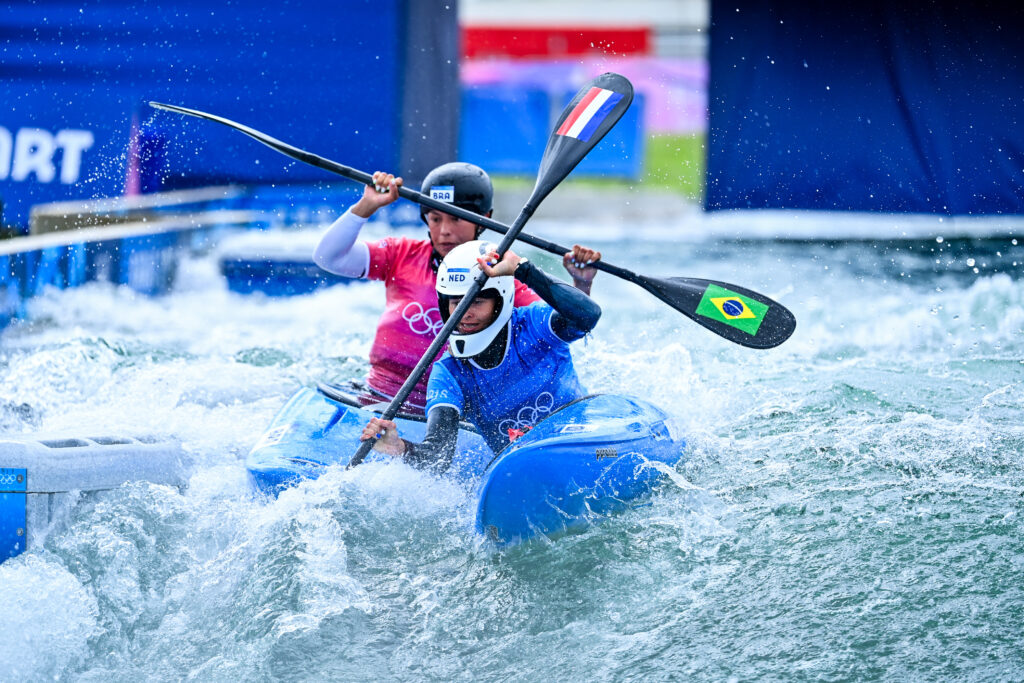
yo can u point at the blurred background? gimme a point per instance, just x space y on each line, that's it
400 85
750 105
875 121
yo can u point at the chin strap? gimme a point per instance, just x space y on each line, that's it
489 358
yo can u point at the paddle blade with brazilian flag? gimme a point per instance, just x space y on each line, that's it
736 313
732 308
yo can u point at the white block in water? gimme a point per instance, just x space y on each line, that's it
57 464
43 471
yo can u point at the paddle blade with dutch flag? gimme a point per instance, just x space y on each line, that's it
596 108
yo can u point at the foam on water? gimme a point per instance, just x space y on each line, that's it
850 507
49 618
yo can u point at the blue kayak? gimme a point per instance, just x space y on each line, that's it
593 457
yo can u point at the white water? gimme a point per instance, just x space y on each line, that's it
850 508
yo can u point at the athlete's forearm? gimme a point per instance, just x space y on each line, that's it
437 449
575 313
583 285
338 252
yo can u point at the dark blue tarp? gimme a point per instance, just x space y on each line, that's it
868 106
505 129
330 77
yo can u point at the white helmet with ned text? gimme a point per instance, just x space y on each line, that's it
456 274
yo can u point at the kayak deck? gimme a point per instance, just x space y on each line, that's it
593 457
319 428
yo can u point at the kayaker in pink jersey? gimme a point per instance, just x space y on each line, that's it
408 268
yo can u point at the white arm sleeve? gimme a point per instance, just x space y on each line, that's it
338 251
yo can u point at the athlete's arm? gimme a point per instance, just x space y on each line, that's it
575 314
434 453
338 252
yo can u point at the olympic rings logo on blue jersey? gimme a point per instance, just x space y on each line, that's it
529 415
420 321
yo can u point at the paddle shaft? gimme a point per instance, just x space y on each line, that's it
482 221
442 337
366 179
682 294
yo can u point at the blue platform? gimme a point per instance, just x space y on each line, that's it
13 511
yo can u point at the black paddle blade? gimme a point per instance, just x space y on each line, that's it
273 143
596 108
251 132
730 311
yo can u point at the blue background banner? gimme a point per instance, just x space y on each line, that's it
505 129
321 75
906 107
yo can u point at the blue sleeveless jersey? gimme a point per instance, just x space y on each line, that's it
535 378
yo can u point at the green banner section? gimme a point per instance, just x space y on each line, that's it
735 310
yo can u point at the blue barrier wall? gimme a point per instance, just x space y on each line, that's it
504 129
75 77
145 263
142 255
865 106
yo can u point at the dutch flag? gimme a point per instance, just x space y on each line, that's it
586 116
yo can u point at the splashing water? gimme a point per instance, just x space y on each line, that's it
850 509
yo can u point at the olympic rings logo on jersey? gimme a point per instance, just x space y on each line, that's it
420 321
528 415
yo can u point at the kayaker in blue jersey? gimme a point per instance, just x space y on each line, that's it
506 368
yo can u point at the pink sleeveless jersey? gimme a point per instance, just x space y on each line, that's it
411 319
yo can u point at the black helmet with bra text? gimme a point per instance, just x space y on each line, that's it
464 185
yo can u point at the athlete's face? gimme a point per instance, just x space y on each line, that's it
479 315
448 232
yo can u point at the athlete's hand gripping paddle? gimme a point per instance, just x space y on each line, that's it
738 314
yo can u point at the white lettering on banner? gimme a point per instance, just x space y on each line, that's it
32 151
74 143
6 147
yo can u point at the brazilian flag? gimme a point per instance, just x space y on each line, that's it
735 310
